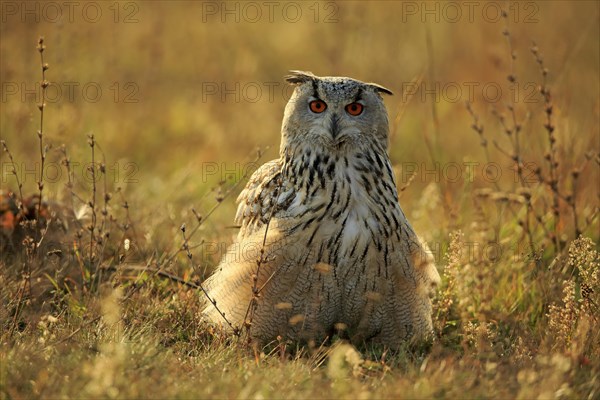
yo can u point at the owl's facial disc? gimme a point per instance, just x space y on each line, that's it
334 112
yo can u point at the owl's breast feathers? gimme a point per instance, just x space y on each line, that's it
314 189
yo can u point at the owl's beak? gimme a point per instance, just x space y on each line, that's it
334 127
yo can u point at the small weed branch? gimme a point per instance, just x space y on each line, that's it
483 142
128 224
30 244
513 132
103 230
43 149
186 247
92 202
286 170
66 161
551 156
249 316
21 202
70 187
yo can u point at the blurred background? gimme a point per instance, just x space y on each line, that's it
180 94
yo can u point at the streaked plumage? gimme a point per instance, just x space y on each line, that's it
339 252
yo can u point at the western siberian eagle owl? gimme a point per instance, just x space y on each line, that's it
337 254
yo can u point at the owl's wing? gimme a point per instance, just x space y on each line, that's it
258 197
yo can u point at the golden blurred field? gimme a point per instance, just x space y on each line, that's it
179 95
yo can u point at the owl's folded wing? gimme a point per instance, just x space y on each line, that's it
257 198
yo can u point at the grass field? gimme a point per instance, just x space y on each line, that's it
156 113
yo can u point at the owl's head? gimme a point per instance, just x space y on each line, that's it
334 112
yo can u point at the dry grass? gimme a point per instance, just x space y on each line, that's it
100 268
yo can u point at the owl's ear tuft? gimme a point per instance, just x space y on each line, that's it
299 77
380 89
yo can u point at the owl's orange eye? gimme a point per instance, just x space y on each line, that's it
317 106
354 109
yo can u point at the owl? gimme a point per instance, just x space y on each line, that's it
324 247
